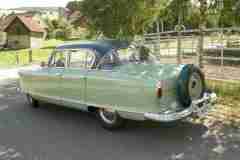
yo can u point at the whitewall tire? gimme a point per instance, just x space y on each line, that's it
110 119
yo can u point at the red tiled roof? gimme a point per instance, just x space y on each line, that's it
31 24
5 22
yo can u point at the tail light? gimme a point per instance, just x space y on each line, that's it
159 89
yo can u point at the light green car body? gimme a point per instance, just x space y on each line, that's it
128 89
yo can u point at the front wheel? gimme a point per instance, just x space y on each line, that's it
32 102
109 119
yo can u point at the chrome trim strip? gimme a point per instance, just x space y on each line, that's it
208 100
168 117
44 96
69 100
123 114
73 77
132 115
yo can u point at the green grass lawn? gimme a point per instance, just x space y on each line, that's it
8 58
225 89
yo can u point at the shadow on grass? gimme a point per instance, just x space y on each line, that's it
49 47
9 50
73 39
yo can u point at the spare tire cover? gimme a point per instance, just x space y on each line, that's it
190 85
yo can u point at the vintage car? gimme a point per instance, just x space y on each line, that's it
118 83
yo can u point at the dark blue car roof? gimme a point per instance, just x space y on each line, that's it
101 46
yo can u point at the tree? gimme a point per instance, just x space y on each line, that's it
120 18
224 13
73 5
177 10
236 11
189 14
229 13
59 29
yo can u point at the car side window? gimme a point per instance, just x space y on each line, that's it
58 59
109 60
81 58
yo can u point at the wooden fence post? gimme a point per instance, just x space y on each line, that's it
179 28
201 47
17 57
222 48
30 56
179 48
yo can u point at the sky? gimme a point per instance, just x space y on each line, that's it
33 3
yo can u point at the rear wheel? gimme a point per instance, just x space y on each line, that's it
32 102
110 119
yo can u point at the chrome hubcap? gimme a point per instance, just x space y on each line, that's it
108 116
30 99
195 86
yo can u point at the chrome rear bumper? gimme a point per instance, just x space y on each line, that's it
199 107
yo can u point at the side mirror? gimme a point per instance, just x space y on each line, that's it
43 64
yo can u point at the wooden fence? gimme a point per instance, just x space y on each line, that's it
10 58
220 58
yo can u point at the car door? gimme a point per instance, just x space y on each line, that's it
49 85
73 81
105 86
109 87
